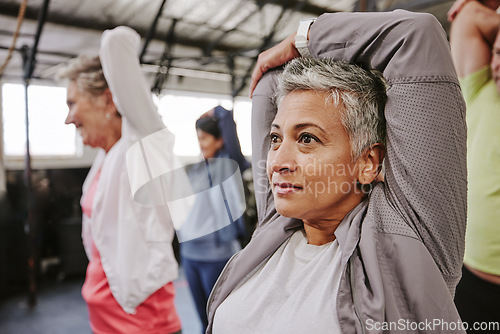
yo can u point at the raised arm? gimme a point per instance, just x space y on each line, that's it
472 34
130 90
425 113
401 44
232 145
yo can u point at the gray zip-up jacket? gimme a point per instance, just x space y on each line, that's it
402 247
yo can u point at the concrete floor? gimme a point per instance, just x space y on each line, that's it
61 310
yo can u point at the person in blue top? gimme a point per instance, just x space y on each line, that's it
215 225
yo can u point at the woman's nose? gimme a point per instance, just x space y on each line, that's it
69 118
282 160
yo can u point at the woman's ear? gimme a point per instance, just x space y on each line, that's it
108 102
370 163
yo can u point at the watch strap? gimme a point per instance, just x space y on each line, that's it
301 41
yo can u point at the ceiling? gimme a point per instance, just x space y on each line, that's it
194 45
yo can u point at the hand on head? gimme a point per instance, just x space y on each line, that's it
455 9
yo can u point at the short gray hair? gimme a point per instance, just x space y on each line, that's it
360 93
86 72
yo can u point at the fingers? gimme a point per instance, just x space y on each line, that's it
266 60
257 73
455 9
452 13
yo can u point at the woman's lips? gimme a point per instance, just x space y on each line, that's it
286 188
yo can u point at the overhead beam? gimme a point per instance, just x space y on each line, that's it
44 52
166 60
11 9
264 45
152 31
306 6
208 50
31 60
297 6
4 32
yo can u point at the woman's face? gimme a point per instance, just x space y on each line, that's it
309 163
88 114
209 145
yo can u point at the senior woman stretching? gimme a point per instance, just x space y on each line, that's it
128 287
350 259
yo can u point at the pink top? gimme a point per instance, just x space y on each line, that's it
155 315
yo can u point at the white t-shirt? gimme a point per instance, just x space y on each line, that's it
294 291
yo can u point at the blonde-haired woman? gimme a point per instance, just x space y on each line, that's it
128 286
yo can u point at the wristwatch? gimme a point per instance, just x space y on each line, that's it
301 40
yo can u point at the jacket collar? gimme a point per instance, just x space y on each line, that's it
349 230
271 237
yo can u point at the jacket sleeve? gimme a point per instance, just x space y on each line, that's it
426 175
228 131
263 113
130 90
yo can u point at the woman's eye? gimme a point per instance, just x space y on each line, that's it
307 138
274 138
